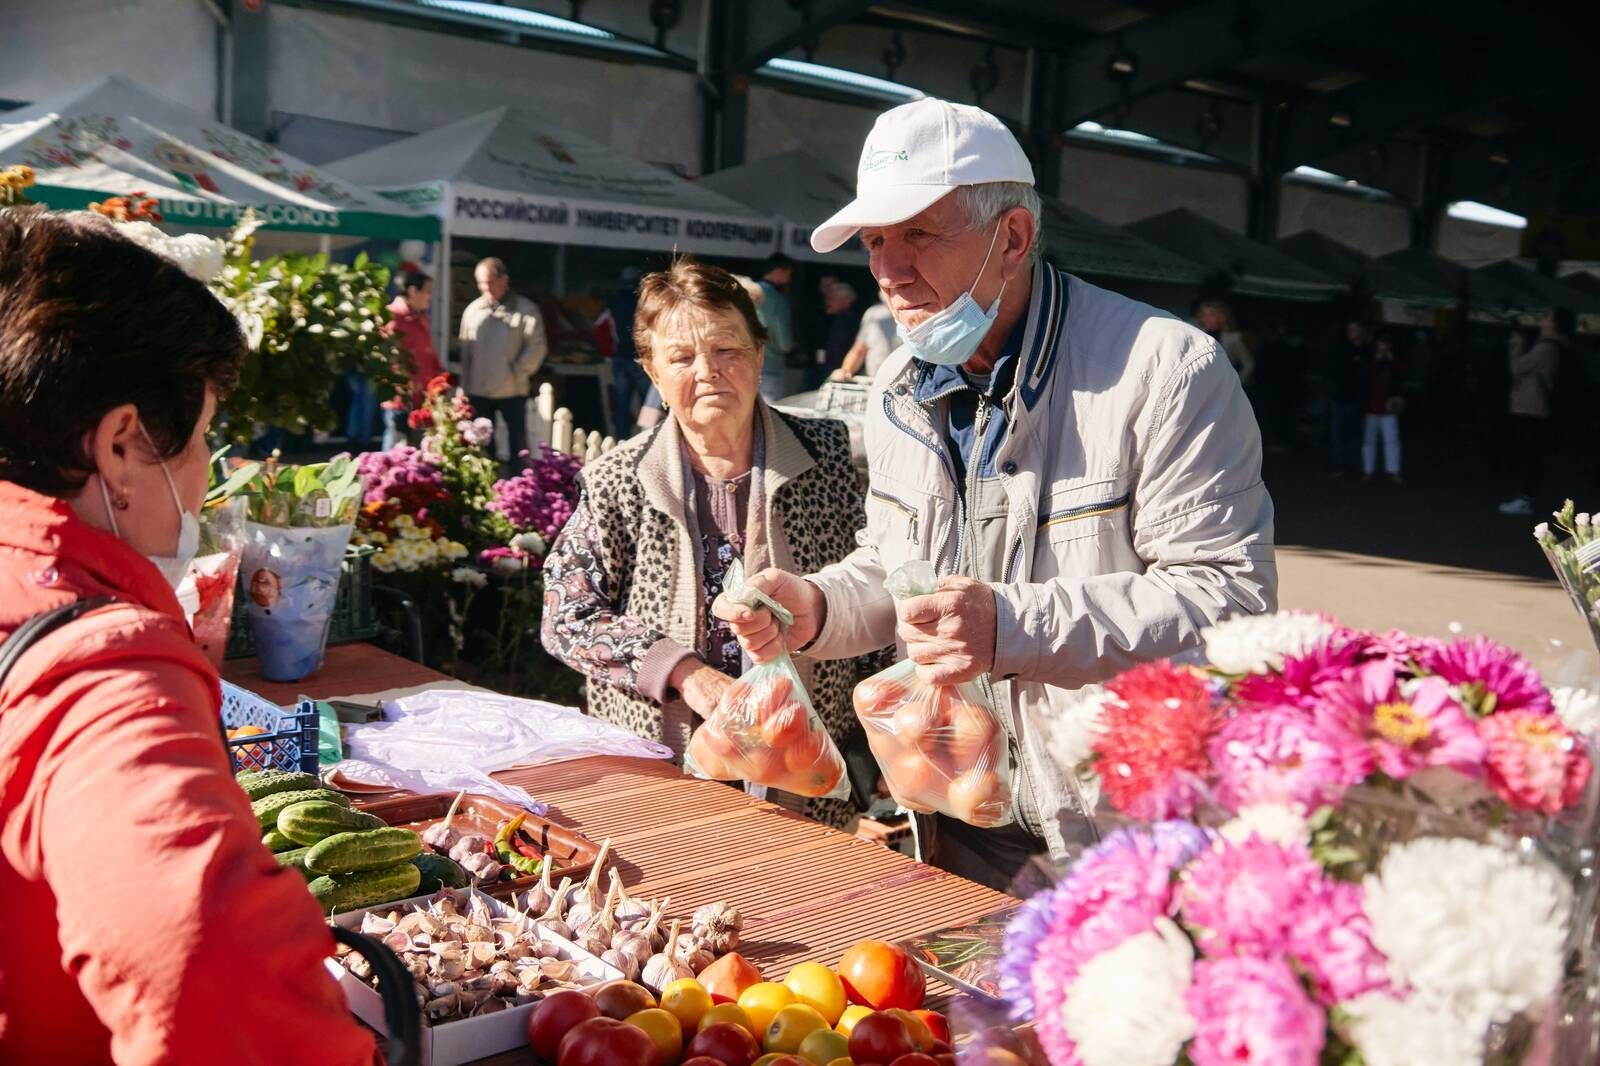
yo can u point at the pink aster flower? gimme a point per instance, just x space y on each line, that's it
1253 1011
1303 677
1491 676
1246 898
1534 761
1284 755
1152 745
1428 727
1402 648
1332 942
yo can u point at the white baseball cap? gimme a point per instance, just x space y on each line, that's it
918 153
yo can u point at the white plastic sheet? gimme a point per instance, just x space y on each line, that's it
444 740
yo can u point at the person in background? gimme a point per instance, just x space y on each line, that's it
502 346
777 317
875 340
614 337
1385 373
1280 364
660 519
1533 380
143 913
1347 379
1216 318
412 330
843 323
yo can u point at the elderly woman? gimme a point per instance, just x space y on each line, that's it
142 910
630 582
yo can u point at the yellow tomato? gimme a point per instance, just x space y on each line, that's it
791 1025
763 1001
823 1046
663 1030
852 1014
819 988
732 1014
687 1000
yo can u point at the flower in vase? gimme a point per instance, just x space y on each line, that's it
1471 925
1151 751
1127 1006
1332 942
1534 761
1492 678
1258 644
1246 898
1413 1031
1303 678
1284 755
1578 709
1410 724
1253 1010
477 432
1275 823
466 575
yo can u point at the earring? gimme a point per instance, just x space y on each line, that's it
120 501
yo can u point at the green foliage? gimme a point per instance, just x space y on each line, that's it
316 494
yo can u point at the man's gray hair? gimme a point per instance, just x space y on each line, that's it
987 202
496 266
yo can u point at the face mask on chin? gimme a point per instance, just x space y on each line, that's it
174 567
950 337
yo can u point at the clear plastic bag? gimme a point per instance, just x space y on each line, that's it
940 747
764 730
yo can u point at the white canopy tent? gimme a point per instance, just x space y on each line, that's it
117 138
799 189
507 175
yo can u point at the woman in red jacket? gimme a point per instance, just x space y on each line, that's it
411 328
145 922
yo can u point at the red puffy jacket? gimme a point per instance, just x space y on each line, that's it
145 922
411 330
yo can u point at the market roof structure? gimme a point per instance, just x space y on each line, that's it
798 189
1079 243
1251 268
117 138
1382 280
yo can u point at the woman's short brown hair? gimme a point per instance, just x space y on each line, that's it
689 281
90 321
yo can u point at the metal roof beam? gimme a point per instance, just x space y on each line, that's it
1166 50
777 26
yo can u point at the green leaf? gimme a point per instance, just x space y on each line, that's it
236 483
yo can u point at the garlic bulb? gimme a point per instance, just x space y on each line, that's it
626 963
635 946
539 896
630 909
662 970
554 917
589 888
692 952
652 930
718 926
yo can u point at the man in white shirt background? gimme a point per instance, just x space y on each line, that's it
502 346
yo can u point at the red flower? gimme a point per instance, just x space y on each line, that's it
439 384
1152 747
421 418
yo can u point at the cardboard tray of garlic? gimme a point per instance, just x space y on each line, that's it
478 965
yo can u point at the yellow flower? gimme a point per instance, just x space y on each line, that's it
378 536
405 521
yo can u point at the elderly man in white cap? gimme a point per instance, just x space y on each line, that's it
1083 470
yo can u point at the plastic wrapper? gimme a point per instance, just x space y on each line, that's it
941 747
214 573
292 579
765 731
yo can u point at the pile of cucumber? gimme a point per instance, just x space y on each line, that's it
351 859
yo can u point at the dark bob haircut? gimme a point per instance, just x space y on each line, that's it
90 321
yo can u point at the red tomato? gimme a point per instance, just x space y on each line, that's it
701 1060
607 1042
553 1017
880 1038
937 1024
916 1058
881 976
730 1045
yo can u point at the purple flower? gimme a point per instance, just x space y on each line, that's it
402 472
1491 676
1283 755
1332 942
476 432
1253 1011
542 496
1246 898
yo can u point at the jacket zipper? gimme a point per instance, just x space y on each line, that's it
969 531
949 469
901 506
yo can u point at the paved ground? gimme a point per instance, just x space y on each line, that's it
1432 556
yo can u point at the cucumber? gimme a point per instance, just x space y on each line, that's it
438 871
276 841
272 782
267 808
309 822
374 849
296 859
350 892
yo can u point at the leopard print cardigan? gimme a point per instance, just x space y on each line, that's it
621 534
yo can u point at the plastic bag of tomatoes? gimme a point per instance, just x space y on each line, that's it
764 730
941 747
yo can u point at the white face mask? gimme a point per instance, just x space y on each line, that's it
949 337
174 567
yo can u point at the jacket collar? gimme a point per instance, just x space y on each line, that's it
48 529
661 465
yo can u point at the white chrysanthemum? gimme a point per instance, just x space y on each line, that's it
1272 822
1411 1032
1579 709
532 543
509 564
1126 1007
466 575
1071 730
1470 925
1256 644
199 257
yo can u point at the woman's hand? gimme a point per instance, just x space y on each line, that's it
758 631
701 686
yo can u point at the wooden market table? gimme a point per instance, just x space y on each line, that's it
806 891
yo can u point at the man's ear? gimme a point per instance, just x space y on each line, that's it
1021 236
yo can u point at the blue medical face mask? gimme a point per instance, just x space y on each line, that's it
949 337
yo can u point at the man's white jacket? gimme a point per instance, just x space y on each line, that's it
1136 513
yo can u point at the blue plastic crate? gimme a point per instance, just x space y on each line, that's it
290 740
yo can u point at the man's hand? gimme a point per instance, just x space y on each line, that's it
840 375
701 686
950 634
758 630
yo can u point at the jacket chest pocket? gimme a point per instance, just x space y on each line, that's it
1084 511
899 518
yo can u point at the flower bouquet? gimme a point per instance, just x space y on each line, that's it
215 574
1573 551
1174 944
